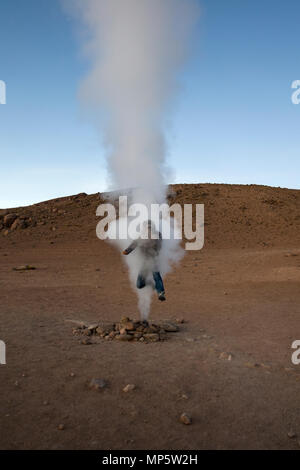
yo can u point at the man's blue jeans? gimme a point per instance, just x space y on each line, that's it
159 285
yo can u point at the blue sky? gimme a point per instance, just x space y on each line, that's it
234 119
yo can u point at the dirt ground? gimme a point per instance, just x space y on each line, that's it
229 367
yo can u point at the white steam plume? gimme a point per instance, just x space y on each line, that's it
136 48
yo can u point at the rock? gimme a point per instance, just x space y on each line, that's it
169 326
98 384
18 223
185 419
180 320
31 222
162 335
125 319
86 332
100 331
103 330
72 374
128 326
147 330
109 328
151 337
124 337
138 334
125 324
9 219
153 329
225 356
76 331
184 396
251 365
85 341
27 267
61 427
128 330
140 328
129 441
128 388
291 434
92 328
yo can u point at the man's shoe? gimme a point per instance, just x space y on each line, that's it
162 296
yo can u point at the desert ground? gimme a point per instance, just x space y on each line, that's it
229 366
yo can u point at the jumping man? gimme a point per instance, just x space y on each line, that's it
149 249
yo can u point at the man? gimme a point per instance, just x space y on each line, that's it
149 250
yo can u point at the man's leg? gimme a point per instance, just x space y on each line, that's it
159 285
140 282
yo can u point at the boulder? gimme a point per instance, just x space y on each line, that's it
18 223
169 326
151 337
9 219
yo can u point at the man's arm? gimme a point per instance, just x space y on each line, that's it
131 247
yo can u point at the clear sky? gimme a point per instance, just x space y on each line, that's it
234 121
